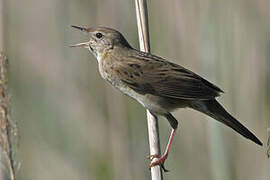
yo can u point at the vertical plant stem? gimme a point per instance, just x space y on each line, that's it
153 131
7 129
268 143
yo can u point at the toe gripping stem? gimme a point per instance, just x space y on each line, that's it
161 159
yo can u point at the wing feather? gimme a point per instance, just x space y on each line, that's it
148 74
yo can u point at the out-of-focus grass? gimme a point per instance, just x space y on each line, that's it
74 126
8 127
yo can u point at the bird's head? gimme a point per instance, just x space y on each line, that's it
101 40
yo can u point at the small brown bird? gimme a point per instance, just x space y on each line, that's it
159 85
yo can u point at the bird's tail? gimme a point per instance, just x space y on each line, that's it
215 110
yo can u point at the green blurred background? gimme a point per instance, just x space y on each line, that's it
74 126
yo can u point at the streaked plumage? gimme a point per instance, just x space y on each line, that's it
159 85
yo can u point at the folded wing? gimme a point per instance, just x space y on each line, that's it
154 75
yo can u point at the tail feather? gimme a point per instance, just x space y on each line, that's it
216 111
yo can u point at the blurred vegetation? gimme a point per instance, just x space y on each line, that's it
75 126
8 130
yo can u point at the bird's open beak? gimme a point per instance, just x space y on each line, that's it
80 28
85 44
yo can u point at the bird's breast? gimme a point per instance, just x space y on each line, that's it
156 104
108 73
151 102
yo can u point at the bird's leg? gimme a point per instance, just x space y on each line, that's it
161 158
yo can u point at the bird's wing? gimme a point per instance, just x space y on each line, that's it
148 74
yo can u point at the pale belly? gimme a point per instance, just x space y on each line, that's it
148 101
155 104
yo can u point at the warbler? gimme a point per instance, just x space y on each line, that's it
156 83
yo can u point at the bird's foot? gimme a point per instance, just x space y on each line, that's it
159 161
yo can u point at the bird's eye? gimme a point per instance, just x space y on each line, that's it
99 35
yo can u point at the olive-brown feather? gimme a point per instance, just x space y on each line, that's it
164 78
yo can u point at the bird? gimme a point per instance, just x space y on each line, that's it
159 85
